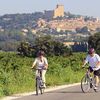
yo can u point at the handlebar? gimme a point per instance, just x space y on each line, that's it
39 68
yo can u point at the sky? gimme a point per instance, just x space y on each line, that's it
81 7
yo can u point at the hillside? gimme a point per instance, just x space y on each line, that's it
16 28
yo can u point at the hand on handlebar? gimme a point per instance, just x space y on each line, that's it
32 67
83 66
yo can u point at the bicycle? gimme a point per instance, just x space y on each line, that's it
39 82
88 82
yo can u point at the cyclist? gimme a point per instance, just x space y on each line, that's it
94 64
41 63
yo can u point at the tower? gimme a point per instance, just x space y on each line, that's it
59 11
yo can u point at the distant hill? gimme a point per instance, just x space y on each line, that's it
19 21
11 26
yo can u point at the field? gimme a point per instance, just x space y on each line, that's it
16 75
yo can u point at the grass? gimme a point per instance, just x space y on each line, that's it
16 76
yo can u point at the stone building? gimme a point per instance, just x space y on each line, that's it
59 11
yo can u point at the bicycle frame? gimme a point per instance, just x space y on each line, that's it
39 73
91 79
39 82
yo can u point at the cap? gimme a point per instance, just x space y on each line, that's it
40 53
91 50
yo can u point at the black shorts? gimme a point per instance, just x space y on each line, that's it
96 72
90 69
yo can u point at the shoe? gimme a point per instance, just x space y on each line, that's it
95 87
44 85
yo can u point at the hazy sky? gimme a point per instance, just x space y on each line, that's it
83 7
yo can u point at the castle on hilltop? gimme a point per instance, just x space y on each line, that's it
57 12
73 23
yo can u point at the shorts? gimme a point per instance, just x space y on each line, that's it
90 69
96 72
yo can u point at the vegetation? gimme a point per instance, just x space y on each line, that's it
11 26
10 39
16 76
46 43
94 41
19 21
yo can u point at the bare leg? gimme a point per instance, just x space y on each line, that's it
43 77
97 80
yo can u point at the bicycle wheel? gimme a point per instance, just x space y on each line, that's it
41 90
37 86
85 84
41 87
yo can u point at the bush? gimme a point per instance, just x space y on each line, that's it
47 44
16 75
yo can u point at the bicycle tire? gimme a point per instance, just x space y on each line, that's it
37 86
41 87
85 84
41 90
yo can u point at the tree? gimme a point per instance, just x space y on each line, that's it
51 46
94 41
25 49
45 43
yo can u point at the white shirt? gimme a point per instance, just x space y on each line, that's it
93 61
40 63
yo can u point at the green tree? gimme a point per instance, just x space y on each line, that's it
51 46
25 49
94 41
45 43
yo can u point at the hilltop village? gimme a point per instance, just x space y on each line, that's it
66 25
59 24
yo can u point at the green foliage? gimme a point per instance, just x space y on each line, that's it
10 39
65 68
25 49
19 21
16 75
45 43
94 41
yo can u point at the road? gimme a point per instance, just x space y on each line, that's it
69 93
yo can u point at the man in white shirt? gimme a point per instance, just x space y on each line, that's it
94 64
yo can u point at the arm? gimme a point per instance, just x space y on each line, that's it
85 62
34 63
46 63
98 61
98 64
46 66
